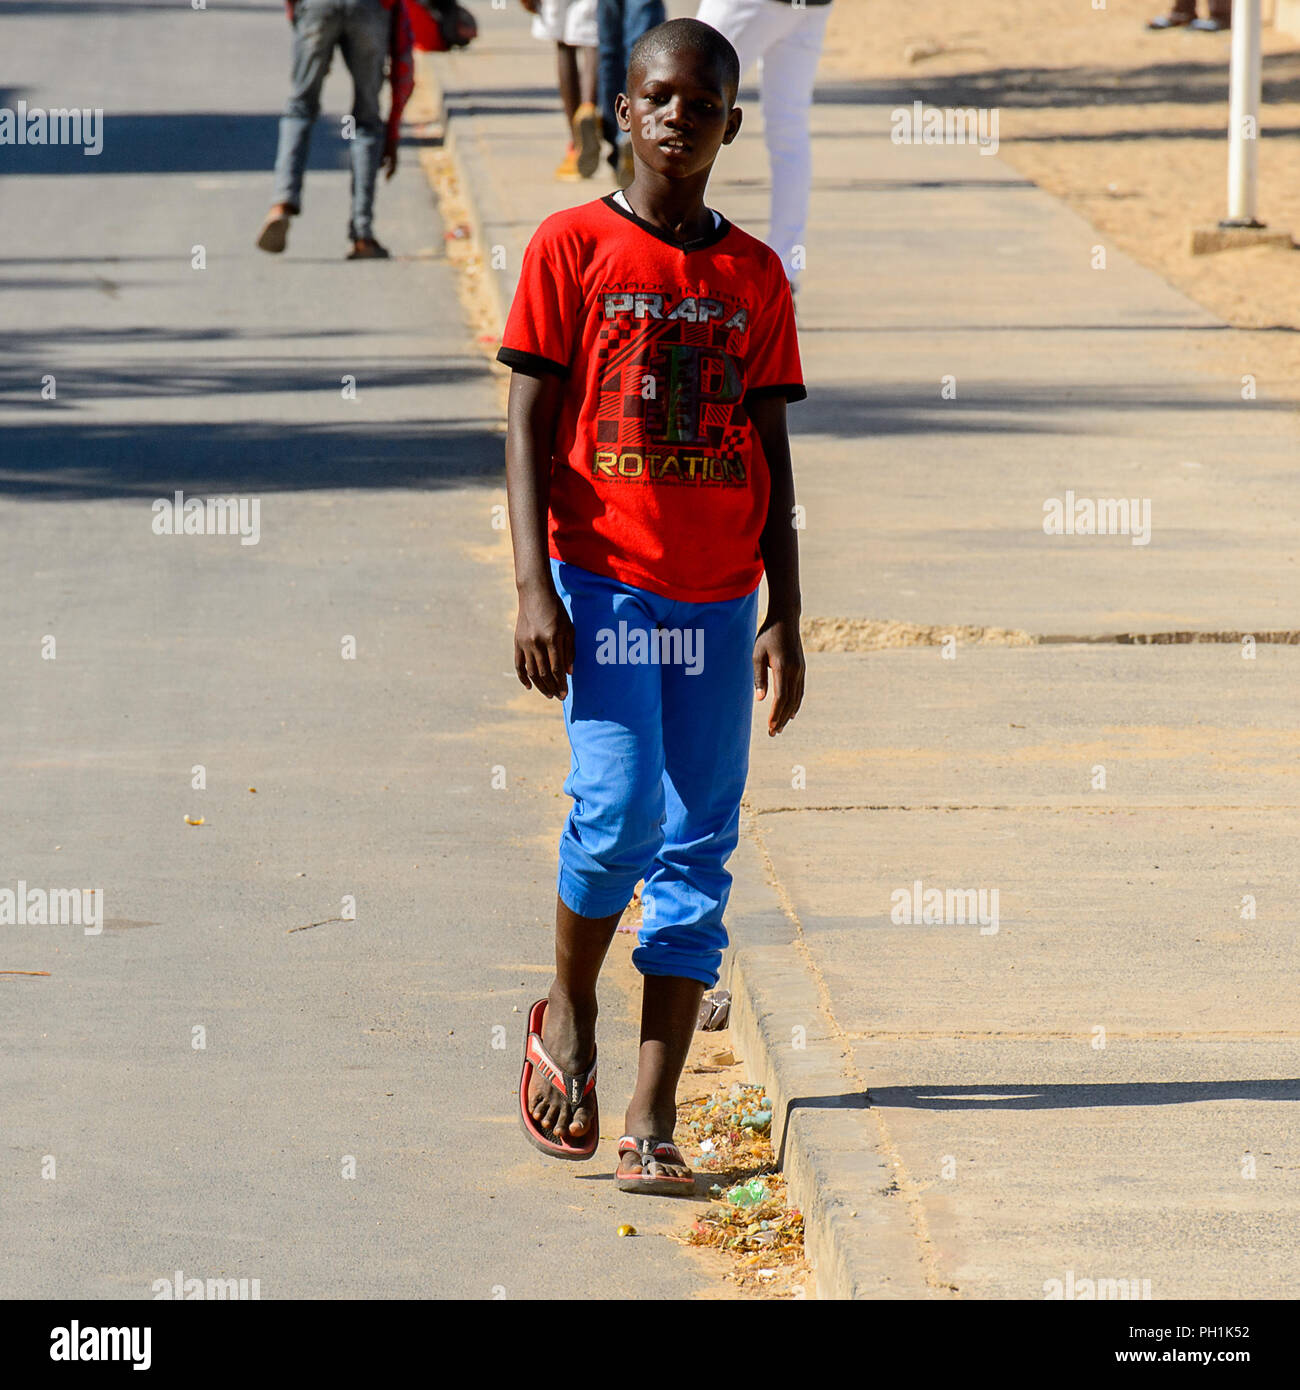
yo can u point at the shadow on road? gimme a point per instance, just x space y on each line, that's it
101 460
1069 1096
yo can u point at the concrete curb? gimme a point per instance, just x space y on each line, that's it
857 1232
475 189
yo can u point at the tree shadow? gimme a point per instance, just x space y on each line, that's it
1076 1096
1047 88
131 459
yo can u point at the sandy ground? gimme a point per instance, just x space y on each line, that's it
1128 127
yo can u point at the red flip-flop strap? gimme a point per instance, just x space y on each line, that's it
576 1086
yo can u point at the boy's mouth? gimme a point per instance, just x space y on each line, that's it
674 145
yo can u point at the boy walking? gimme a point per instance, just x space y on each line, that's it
653 351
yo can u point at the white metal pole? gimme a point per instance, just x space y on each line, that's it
1243 114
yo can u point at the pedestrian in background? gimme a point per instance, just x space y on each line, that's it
784 37
620 24
1183 16
372 34
571 26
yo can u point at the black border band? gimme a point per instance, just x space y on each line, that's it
792 391
530 363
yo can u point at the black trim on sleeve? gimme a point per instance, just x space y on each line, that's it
792 391
530 363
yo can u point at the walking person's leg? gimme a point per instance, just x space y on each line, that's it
1181 13
613 718
789 74
317 27
611 64
708 700
750 26
638 17
786 42
1220 18
365 50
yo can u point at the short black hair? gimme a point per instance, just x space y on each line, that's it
689 36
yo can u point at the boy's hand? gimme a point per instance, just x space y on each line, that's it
779 646
543 642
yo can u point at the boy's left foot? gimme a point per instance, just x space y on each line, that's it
652 1166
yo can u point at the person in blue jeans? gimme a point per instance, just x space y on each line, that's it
370 33
361 29
620 23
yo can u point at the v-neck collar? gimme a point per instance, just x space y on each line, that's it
710 238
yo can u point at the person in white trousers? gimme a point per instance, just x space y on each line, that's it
785 38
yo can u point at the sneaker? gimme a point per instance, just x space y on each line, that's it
586 136
567 169
366 248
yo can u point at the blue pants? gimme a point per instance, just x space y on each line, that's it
658 715
620 23
360 29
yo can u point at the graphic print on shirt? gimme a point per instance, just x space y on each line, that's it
671 388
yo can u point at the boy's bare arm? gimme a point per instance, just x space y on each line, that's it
543 632
778 645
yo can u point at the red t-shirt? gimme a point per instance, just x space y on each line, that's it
658 479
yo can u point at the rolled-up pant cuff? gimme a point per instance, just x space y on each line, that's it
590 902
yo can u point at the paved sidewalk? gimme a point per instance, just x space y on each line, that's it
1107 1083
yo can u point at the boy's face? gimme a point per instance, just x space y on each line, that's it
677 113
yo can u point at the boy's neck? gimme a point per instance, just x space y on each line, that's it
674 205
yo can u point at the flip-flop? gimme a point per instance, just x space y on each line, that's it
576 1088
653 1153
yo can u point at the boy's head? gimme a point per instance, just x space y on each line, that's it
680 104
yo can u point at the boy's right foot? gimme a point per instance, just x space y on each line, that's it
569 1037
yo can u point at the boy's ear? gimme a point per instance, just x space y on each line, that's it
734 118
623 111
